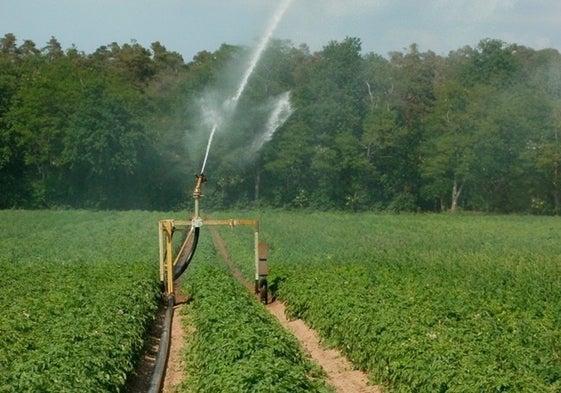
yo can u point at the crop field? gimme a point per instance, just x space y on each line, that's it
235 345
77 291
423 303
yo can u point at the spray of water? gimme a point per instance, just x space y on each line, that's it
208 146
280 113
229 106
260 48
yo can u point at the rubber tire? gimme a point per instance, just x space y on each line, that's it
263 291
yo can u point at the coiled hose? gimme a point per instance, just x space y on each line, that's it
186 255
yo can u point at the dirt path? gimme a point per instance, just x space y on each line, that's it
339 370
174 370
174 367
340 373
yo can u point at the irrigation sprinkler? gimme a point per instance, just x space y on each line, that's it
172 266
174 263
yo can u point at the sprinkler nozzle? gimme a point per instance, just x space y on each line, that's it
198 184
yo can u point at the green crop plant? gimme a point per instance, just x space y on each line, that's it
77 292
236 346
425 303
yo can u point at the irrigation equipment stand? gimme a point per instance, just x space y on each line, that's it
171 267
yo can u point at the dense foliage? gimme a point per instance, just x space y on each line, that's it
427 303
235 345
476 129
77 292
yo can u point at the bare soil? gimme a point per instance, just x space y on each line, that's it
339 370
174 371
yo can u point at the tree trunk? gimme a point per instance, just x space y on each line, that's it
456 191
442 204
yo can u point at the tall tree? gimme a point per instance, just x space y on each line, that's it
448 156
542 156
333 91
414 96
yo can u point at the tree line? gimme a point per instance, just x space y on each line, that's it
122 128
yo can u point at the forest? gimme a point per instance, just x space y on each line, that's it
123 128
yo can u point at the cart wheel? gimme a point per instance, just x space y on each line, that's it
263 291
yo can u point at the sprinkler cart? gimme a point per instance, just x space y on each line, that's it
172 266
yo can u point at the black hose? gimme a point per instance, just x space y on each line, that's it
156 383
185 258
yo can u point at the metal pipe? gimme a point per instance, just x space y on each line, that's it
167 226
256 246
197 194
161 250
169 258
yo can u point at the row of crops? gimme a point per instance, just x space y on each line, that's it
424 303
234 344
77 292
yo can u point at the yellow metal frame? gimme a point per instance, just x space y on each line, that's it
167 228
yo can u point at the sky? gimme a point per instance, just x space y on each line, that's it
191 26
